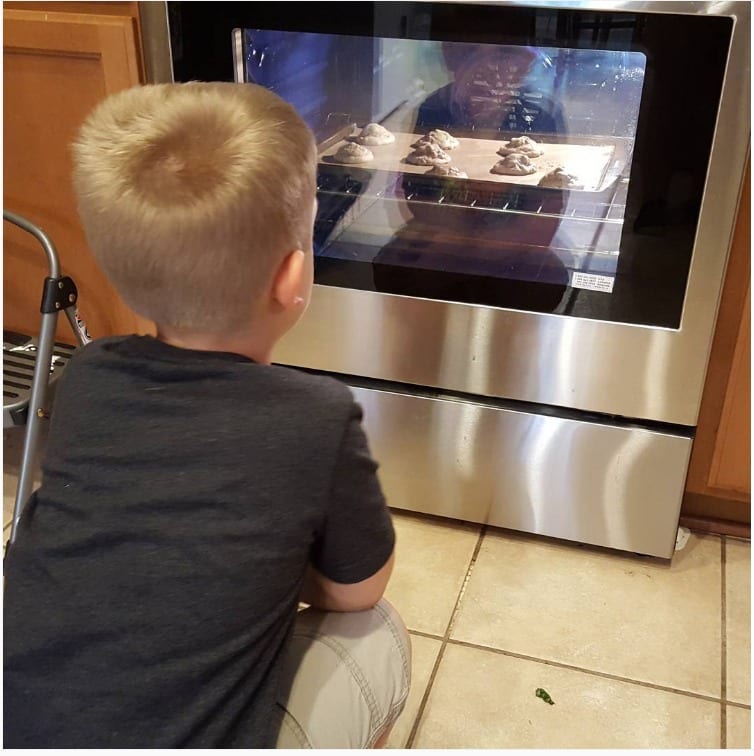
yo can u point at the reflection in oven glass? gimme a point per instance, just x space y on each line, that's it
458 171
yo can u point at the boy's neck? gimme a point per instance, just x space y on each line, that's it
248 345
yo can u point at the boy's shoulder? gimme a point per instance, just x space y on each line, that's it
304 385
296 384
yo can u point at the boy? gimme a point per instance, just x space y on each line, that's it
192 492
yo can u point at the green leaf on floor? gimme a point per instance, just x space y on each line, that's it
544 695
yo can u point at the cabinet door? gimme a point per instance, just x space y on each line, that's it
718 486
731 461
57 67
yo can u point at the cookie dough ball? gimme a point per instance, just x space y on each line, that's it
515 164
439 137
447 170
559 179
428 154
523 145
353 153
374 135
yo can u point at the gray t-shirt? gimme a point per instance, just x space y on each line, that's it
151 591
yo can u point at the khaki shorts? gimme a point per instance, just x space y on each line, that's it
348 675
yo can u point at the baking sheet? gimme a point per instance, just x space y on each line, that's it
477 156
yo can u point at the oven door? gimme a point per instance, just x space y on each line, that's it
598 296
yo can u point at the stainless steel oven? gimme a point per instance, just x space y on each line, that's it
529 333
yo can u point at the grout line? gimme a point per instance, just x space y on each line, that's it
728 702
736 705
723 648
595 673
444 639
466 579
422 634
425 697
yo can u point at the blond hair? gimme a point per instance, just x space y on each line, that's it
191 194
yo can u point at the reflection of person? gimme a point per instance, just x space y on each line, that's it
495 87
497 258
192 492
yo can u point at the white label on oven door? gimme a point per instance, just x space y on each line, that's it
592 281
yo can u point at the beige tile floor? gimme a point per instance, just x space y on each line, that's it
635 652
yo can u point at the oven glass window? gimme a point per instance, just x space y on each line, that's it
540 159
461 165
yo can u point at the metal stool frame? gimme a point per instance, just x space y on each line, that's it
59 293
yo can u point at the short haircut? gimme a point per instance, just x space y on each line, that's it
191 194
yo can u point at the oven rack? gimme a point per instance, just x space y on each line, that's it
599 212
611 211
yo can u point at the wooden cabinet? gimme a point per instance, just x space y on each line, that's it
57 67
718 487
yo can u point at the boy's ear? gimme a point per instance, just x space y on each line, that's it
288 283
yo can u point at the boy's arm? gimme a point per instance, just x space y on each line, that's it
323 593
352 556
